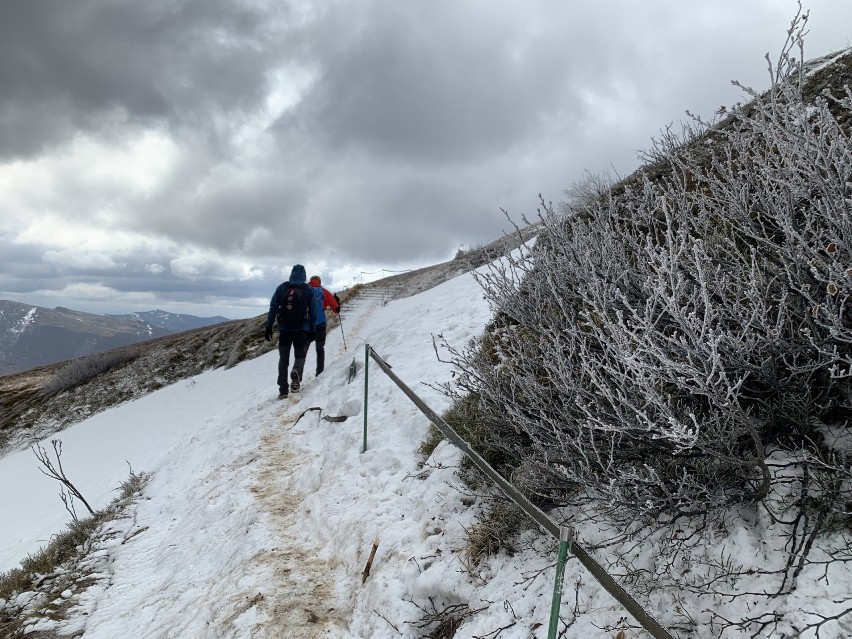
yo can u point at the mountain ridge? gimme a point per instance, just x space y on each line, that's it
32 336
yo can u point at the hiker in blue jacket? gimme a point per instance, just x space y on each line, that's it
295 308
327 301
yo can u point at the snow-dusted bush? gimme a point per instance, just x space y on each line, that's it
662 338
81 370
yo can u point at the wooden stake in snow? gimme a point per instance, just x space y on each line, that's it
366 572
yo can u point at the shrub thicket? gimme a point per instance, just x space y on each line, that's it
662 341
83 369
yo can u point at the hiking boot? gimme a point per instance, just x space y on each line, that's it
282 393
294 381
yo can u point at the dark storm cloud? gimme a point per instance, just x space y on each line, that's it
452 82
488 107
436 82
25 269
76 66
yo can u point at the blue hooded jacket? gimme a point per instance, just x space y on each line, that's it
321 319
298 276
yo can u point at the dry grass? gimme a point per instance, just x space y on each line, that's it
497 532
428 445
83 369
442 622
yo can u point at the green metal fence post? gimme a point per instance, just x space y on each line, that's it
564 541
366 368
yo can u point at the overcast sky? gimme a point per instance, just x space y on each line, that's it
184 154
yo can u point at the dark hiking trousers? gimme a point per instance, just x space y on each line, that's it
299 341
319 338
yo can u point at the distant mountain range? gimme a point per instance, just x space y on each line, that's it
32 336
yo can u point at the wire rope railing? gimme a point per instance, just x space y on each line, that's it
563 534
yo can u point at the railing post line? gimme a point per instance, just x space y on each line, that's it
561 557
366 377
534 512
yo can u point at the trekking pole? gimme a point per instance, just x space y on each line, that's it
340 321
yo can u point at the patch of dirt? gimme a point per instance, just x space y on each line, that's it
303 606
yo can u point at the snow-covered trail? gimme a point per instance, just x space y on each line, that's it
348 499
254 526
228 564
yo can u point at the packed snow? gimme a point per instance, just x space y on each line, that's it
25 321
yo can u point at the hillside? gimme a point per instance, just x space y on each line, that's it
670 363
256 523
129 372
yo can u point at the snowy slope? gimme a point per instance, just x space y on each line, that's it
257 526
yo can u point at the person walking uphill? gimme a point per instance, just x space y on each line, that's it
327 301
295 308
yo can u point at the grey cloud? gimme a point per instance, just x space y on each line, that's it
474 103
433 83
71 66
25 275
230 214
424 119
23 267
411 221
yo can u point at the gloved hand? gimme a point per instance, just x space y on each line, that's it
267 334
337 299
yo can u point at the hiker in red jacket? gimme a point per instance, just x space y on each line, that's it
327 301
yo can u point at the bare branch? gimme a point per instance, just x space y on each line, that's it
57 472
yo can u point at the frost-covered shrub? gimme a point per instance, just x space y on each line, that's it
81 370
662 338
